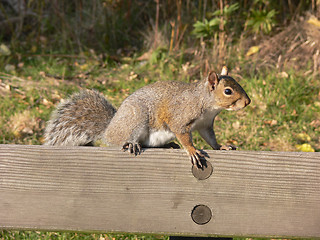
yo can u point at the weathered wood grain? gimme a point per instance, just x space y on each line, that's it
103 189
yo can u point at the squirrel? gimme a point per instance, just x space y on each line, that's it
152 116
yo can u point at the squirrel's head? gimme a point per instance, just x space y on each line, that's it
228 94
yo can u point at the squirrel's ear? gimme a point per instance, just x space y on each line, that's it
224 71
213 79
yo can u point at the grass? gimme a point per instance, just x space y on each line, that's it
283 108
27 235
29 93
283 115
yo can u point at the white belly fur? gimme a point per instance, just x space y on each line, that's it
159 138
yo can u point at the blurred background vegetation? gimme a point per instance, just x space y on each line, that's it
125 28
51 48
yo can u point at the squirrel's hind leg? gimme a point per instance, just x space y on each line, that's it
128 128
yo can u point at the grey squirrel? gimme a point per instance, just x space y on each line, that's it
152 116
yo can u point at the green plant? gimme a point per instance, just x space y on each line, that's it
227 11
261 17
208 28
261 21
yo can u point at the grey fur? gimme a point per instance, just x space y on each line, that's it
151 117
79 120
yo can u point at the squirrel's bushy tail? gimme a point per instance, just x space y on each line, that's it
79 120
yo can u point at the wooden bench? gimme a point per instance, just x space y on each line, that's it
251 194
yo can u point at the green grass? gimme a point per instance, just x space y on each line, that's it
27 235
282 109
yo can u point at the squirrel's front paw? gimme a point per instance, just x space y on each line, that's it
133 148
196 156
228 147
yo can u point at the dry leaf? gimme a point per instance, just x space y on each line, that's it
303 137
4 50
22 124
306 147
283 75
271 122
236 125
253 50
314 21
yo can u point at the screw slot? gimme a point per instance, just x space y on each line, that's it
204 172
201 214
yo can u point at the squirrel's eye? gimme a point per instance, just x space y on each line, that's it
228 91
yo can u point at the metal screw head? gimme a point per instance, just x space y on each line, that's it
201 214
204 172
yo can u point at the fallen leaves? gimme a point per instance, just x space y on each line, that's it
4 50
303 137
252 50
132 76
314 21
22 124
282 75
305 146
4 88
272 122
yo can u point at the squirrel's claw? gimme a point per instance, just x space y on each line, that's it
132 148
196 158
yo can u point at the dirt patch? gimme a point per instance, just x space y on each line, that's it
297 47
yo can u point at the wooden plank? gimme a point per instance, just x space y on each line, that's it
103 189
